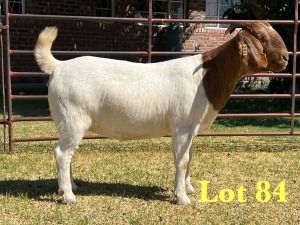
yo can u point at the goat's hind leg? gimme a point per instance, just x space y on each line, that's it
63 156
63 153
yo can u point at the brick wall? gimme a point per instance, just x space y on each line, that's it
61 7
93 36
204 39
108 36
196 36
75 35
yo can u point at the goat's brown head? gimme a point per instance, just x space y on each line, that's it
260 47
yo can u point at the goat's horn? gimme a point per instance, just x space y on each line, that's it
233 26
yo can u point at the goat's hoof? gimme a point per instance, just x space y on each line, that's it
183 200
190 190
69 199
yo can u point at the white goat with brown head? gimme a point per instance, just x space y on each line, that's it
125 100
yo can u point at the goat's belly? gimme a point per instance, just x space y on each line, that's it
129 132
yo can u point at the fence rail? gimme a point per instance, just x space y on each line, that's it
6 52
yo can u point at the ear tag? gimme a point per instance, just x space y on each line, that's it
245 49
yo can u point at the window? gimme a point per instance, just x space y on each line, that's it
215 10
14 6
166 9
105 8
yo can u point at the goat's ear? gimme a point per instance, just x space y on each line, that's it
251 51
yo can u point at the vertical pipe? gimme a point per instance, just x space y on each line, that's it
169 10
113 8
3 90
294 68
23 6
150 31
8 69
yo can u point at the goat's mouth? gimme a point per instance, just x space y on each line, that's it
277 65
277 61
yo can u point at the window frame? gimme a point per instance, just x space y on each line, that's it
112 9
22 2
165 14
220 4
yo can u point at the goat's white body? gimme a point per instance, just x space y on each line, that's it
125 100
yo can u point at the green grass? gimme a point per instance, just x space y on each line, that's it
132 182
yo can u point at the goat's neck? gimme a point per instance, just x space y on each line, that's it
223 67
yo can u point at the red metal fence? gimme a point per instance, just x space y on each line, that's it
9 119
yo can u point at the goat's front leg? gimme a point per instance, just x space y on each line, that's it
181 145
63 159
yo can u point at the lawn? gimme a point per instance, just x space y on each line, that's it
132 182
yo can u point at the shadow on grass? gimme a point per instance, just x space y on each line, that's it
38 188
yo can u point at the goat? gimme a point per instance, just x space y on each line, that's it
126 100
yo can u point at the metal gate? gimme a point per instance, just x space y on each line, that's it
9 119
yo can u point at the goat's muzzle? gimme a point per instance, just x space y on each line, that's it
278 62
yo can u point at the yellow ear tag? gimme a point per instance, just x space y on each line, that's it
245 49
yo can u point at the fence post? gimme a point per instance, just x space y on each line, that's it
4 117
294 68
150 31
8 78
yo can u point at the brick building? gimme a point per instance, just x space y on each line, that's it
116 36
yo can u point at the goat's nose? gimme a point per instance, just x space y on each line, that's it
285 57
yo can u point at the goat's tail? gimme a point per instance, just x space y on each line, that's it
42 50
